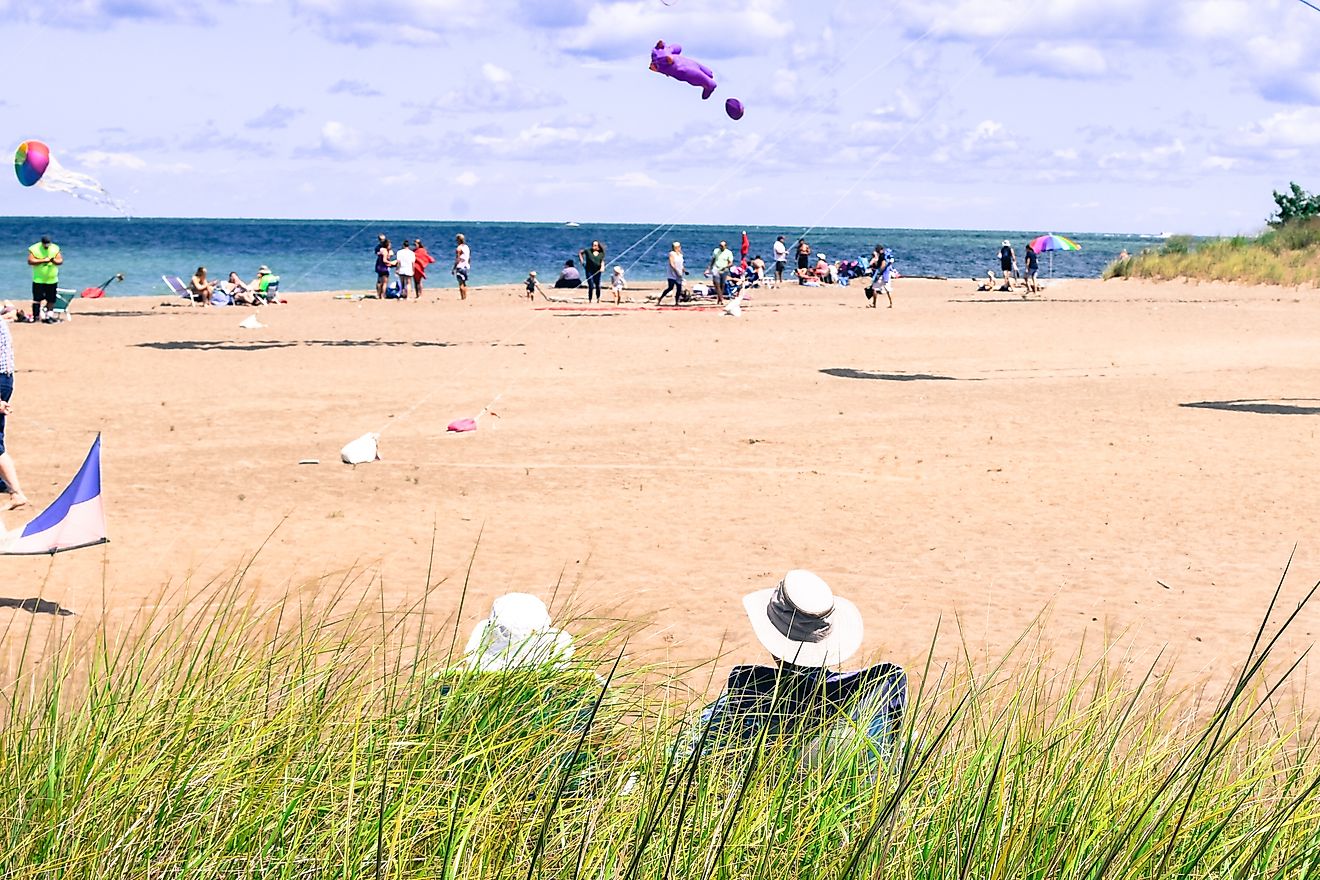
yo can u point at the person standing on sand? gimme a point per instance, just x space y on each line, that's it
384 259
462 264
674 277
593 263
8 470
45 259
721 260
803 256
781 259
1033 265
1007 260
423 259
407 261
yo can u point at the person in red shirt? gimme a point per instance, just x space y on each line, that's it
424 259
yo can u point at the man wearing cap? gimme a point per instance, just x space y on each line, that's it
45 259
721 260
1007 262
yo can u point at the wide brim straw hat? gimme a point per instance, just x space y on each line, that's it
800 621
517 635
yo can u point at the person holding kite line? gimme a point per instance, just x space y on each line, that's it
45 259
8 471
593 262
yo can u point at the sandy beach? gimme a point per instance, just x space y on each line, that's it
964 456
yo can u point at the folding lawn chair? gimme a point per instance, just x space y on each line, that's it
179 287
63 298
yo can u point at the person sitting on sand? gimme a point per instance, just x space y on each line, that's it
200 288
240 292
806 628
988 283
824 271
517 635
568 276
807 278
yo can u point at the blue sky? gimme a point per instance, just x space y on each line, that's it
1125 115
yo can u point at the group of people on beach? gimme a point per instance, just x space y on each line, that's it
727 275
261 290
409 264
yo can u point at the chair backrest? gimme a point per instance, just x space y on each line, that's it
787 700
176 285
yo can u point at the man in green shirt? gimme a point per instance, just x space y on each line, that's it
45 259
721 260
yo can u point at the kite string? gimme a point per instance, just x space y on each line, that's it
318 264
912 126
778 137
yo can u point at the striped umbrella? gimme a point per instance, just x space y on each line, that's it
1052 243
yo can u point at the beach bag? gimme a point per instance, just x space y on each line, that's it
870 293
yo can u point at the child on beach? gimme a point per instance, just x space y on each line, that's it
532 285
618 284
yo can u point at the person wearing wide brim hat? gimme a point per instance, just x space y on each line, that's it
802 623
517 635
807 629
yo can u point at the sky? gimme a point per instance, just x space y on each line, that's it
1116 116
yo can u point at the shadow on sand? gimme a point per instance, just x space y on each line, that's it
847 373
36 606
1284 406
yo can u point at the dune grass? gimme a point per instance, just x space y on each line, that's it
228 741
1287 255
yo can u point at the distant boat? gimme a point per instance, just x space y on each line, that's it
1166 235
571 225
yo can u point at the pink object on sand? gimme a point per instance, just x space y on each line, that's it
458 426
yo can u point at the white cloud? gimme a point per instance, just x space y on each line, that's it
712 29
538 137
1066 61
988 137
337 141
1160 156
1220 163
635 180
96 160
495 75
1287 129
467 178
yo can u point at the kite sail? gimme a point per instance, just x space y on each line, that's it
35 165
75 520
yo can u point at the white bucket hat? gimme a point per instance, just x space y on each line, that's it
517 635
801 621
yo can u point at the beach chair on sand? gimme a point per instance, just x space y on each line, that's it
838 714
178 286
63 299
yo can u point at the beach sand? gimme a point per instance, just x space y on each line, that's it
969 458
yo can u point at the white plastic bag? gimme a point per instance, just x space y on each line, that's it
361 450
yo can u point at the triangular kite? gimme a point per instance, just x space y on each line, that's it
76 519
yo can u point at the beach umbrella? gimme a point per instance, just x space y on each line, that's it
746 246
1051 243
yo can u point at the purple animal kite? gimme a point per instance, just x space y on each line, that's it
667 61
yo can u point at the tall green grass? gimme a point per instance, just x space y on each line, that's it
228 740
1286 255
